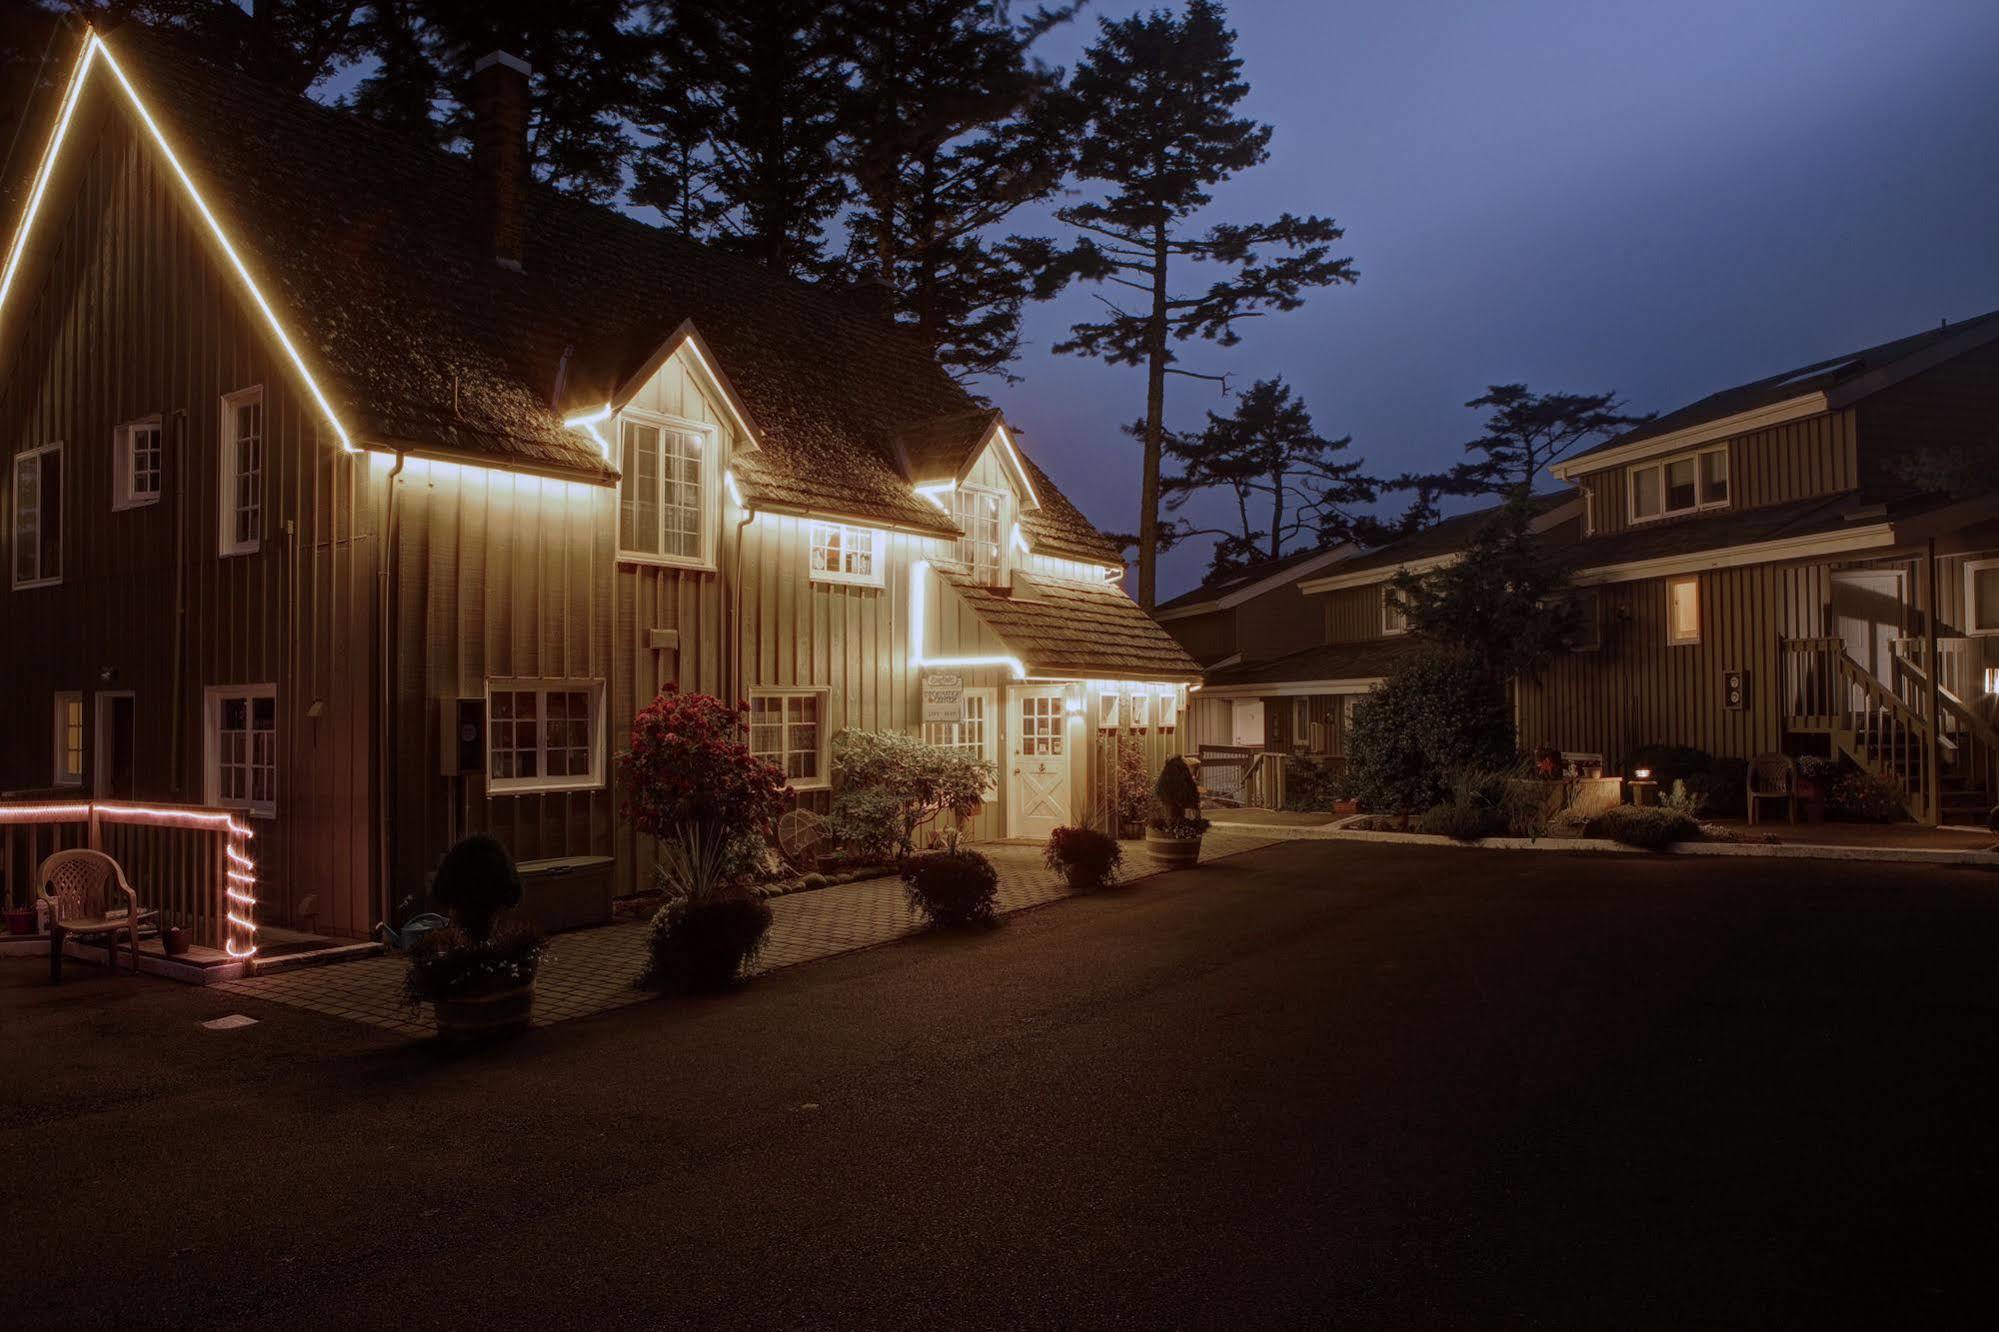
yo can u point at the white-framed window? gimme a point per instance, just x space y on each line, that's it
544 735
788 727
1169 708
1683 610
242 747
1140 706
1684 483
69 738
1109 710
839 553
981 515
977 736
666 498
1246 722
1394 620
38 486
136 458
1981 597
241 515
1301 724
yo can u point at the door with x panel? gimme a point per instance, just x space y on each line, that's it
1037 762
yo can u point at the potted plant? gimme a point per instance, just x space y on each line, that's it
955 888
477 973
1815 781
1175 829
1087 858
712 925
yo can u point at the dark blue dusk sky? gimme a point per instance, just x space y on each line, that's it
1658 198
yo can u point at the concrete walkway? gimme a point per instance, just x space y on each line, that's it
591 971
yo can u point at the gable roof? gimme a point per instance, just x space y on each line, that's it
362 239
1439 542
1349 664
1239 585
1817 387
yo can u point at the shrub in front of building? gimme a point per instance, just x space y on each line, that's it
887 786
954 889
1087 858
1649 827
712 925
1442 714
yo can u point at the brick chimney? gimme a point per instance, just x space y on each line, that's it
500 152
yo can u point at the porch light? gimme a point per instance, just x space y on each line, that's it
1642 774
1074 707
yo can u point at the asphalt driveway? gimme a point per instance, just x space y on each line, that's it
1321 1084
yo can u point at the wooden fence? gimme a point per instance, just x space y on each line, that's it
193 865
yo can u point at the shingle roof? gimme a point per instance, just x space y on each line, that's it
365 241
940 448
1818 376
1070 628
1222 584
1371 660
1812 516
1442 538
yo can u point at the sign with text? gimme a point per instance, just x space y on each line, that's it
943 697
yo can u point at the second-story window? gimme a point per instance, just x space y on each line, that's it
242 471
664 499
1682 484
1394 620
135 463
981 514
38 517
843 554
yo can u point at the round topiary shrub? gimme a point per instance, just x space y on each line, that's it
700 945
954 889
1088 859
475 882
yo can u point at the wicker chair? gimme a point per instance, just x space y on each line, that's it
1773 777
80 888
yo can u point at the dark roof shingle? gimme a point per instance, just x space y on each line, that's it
1064 627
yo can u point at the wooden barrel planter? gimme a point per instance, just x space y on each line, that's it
1173 852
478 1017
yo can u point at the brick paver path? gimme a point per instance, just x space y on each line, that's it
591 971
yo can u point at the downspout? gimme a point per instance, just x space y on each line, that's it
384 705
735 673
177 708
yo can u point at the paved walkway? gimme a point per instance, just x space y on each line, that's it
591 971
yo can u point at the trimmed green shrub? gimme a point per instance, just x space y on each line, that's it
1466 823
1865 797
1179 796
1652 827
475 882
1313 786
887 785
1088 859
1441 714
954 889
701 945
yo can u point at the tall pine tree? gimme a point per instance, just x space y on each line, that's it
1155 98
1525 434
1287 480
949 126
742 103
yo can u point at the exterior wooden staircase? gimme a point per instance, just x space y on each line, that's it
1887 728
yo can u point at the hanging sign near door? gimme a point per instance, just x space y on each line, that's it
943 697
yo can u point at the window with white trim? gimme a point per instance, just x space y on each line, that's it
975 736
788 728
38 478
1981 597
242 472
1139 716
1685 483
1301 724
1394 620
136 457
666 498
839 553
981 515
544 735
69 738
242 725
1109 710
1683 610
1169 709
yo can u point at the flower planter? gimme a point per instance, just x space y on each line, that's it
1173 852
1346 808
473 1017
1130 830
21 920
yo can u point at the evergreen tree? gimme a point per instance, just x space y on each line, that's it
742 103
1526 433
1154 102
948 126
1506 603
1287 480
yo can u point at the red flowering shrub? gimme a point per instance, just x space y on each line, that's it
689 765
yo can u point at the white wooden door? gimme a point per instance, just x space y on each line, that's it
1038 760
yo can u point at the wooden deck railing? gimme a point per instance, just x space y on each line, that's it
194 865
1239 775
1826 690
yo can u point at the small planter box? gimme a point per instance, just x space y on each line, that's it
566 893
1173 852
487 1016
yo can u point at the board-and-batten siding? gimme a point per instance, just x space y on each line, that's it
124 311
1353 614
1792 461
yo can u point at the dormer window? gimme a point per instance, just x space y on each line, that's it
666 496
981 515
1685 483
